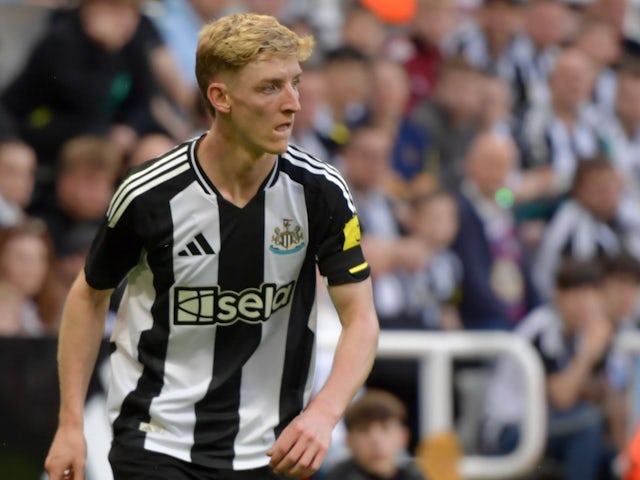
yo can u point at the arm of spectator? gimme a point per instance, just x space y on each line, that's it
81 331
567 386
170 80
616 413
385 255
534 184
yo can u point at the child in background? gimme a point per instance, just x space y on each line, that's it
27 277
434 220
87 171
377 437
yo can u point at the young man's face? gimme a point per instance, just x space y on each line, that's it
263 98
577 304
375 447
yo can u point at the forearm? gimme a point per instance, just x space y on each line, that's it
352 362
566 387
81 332
353 358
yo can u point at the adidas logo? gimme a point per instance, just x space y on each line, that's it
197 246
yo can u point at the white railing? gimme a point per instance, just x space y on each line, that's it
630 342
437 350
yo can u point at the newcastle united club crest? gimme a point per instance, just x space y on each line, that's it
288 240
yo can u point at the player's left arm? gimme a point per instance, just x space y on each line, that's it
302 446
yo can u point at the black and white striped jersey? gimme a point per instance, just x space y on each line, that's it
214 341
574 232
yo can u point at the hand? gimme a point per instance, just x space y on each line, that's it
67 455
303 444
597 337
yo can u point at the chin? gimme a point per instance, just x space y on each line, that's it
277 148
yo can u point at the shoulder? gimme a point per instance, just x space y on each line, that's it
150 177
541 321
300 162
568 213
315 175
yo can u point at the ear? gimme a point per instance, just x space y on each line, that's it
218 97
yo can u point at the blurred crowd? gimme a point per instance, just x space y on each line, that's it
492 148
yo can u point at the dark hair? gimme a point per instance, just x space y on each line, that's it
623 265
573 273
346 53
374 406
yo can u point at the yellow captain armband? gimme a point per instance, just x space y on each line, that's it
351 233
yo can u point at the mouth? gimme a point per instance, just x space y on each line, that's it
284 127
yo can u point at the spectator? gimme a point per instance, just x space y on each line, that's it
388 109
497 106
547 27
365 162
348 73
451 119
27 277
313 97
496 286
437 286
421 50
86 75
85 182
492 42
593 223
621 131
621 287
363 30
17 179
377 438
599 41
558 136
571 335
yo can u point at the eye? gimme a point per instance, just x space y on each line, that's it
295 83
269 88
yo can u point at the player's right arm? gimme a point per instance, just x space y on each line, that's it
81 332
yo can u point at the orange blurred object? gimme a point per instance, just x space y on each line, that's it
392 11
633 458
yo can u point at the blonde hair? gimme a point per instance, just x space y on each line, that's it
232 42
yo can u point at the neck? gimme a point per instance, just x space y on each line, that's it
236 171
567 115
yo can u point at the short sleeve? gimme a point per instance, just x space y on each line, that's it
340 258
117 247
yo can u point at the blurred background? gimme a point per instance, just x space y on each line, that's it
493 151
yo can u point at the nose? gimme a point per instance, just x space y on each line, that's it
292 99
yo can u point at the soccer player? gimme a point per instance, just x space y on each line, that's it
219 240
